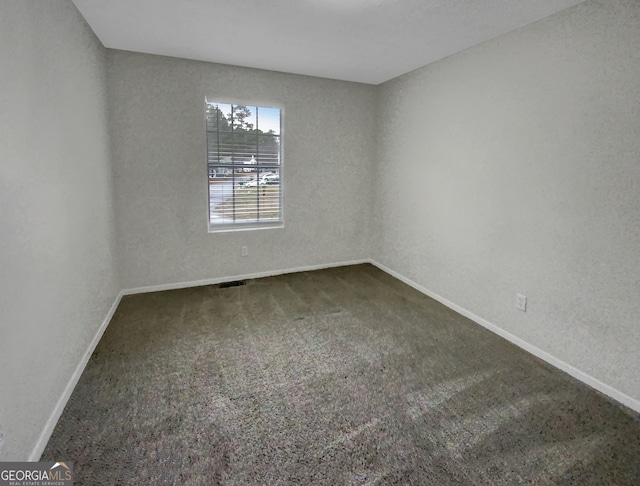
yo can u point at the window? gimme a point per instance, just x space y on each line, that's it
244 161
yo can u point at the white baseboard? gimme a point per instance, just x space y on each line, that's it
217 280
608 390
73 381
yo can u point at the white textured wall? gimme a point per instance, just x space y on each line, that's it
515 167
158 140
57 278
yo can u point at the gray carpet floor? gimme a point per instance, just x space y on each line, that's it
343 376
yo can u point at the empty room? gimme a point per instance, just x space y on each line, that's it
359 242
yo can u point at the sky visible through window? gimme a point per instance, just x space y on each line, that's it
261 118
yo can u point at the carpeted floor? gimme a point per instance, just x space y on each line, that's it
343 376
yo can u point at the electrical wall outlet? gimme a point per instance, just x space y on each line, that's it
521 302
245 251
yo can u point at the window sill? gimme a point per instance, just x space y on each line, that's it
227 228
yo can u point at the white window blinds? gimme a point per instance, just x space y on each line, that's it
244 160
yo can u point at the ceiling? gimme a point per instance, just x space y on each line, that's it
368 41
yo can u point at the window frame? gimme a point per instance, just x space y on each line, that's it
240 225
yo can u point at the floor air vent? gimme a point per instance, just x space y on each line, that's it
236 283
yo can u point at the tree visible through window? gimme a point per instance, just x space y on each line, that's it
244 159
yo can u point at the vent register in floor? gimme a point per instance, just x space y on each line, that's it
339 376
235 283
